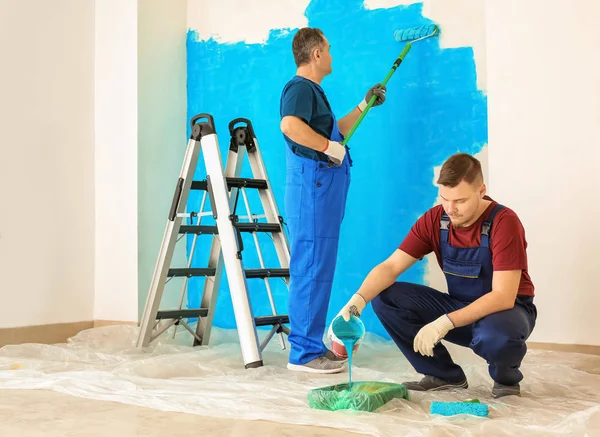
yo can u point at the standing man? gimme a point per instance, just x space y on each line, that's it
481 248
317 181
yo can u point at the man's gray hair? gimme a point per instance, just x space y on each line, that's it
304 42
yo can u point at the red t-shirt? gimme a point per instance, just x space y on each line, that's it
507 240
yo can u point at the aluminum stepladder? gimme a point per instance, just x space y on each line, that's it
226 249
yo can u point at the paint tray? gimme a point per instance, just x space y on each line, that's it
364 396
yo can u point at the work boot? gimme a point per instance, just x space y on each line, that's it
432 383
500 390
318 365
333 357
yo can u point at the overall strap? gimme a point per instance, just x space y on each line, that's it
486 227
444 225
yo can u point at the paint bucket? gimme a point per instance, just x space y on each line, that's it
341 330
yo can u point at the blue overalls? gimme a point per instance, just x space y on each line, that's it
499 338
315 200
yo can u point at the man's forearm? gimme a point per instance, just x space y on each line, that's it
346 123
300 132
487 304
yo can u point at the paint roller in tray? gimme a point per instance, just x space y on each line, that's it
410 36
363 395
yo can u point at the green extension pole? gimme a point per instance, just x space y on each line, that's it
413 34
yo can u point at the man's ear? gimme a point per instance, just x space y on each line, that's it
482 190
317 54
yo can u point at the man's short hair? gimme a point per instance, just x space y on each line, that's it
304 42
459 167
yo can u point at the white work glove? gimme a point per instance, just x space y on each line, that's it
430 335
336 152
376 89
355 306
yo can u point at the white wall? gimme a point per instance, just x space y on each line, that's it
162 140
544 135
74 71
116 79
46 162
251 22
140 141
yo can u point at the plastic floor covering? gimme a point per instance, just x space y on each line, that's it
560 393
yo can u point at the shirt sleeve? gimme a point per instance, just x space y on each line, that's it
298 100
418 242
508 244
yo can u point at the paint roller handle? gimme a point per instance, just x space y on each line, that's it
396 64
360 118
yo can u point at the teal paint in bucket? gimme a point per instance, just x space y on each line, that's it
347 334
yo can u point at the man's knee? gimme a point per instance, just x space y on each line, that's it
498 344
391 299
380 303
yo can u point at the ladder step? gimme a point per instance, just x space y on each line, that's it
243 227
267 273
250 273
258 227
182 314
233 183
191 272
271 320
202 229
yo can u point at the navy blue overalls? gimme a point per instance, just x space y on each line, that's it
314 201
499 338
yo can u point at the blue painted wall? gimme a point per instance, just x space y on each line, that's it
433 110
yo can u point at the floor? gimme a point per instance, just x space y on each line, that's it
100 384
41 413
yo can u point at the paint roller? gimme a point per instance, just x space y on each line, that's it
410 36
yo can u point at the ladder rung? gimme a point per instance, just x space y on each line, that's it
258 227
182 314
191 272
267 273
201 229
243 227
233 183
271 320
199 185
246 183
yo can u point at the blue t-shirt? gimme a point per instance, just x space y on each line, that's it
305 99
